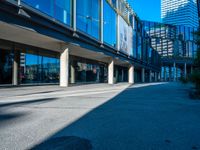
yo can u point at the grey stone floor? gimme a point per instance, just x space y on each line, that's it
157 116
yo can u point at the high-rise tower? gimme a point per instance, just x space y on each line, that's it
180 12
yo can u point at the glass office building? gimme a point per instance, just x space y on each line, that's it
180 12
85 41
175 44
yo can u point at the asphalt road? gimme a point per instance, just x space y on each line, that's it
157 116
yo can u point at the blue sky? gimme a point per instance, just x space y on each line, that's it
147 9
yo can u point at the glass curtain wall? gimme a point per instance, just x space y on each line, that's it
170 40
38 67
109 24
6 64
88 71
88 17
58 9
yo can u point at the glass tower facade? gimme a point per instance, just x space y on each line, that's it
180 12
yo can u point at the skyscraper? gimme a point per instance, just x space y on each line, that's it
180 12
198 6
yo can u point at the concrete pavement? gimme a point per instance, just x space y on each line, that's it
148 116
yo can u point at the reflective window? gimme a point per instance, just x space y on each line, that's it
89 71
88 17
37 68
58 9
6 61
109 21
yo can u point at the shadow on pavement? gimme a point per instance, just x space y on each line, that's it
127 121
44 100
65 143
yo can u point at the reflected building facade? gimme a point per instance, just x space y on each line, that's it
180 12
176 45
74 41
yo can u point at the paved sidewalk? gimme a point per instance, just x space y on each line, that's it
157 116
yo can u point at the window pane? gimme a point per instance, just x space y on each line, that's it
58 9
88 16
109 25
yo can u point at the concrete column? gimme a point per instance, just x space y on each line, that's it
111 72
170 73
15 70
159 76
174 71
64 68
185 70
122 75
156 77
165 74
72 73
116 75
131 75
143 75
150 77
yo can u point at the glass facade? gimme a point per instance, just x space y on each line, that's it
87 71
58 9
121 74
6 63
171 40
38 67
88 17
109 26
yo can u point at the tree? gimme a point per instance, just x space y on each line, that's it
195 77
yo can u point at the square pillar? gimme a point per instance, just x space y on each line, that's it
174 72
159 76
131 74
15 70
64 68
122 75
72 73
185 70
150 77
111 72
156 77
143 75
165 74
170 73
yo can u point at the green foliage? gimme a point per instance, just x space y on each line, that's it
184 80
195 77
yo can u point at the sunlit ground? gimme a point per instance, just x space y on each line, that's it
142 116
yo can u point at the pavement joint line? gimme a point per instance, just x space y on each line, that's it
74 93
60 96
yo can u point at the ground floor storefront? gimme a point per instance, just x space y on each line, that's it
21 65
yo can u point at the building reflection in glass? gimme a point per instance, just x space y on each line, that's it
6 61
36 68
89 71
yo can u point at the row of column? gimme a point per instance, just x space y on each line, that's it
64 71
175 72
